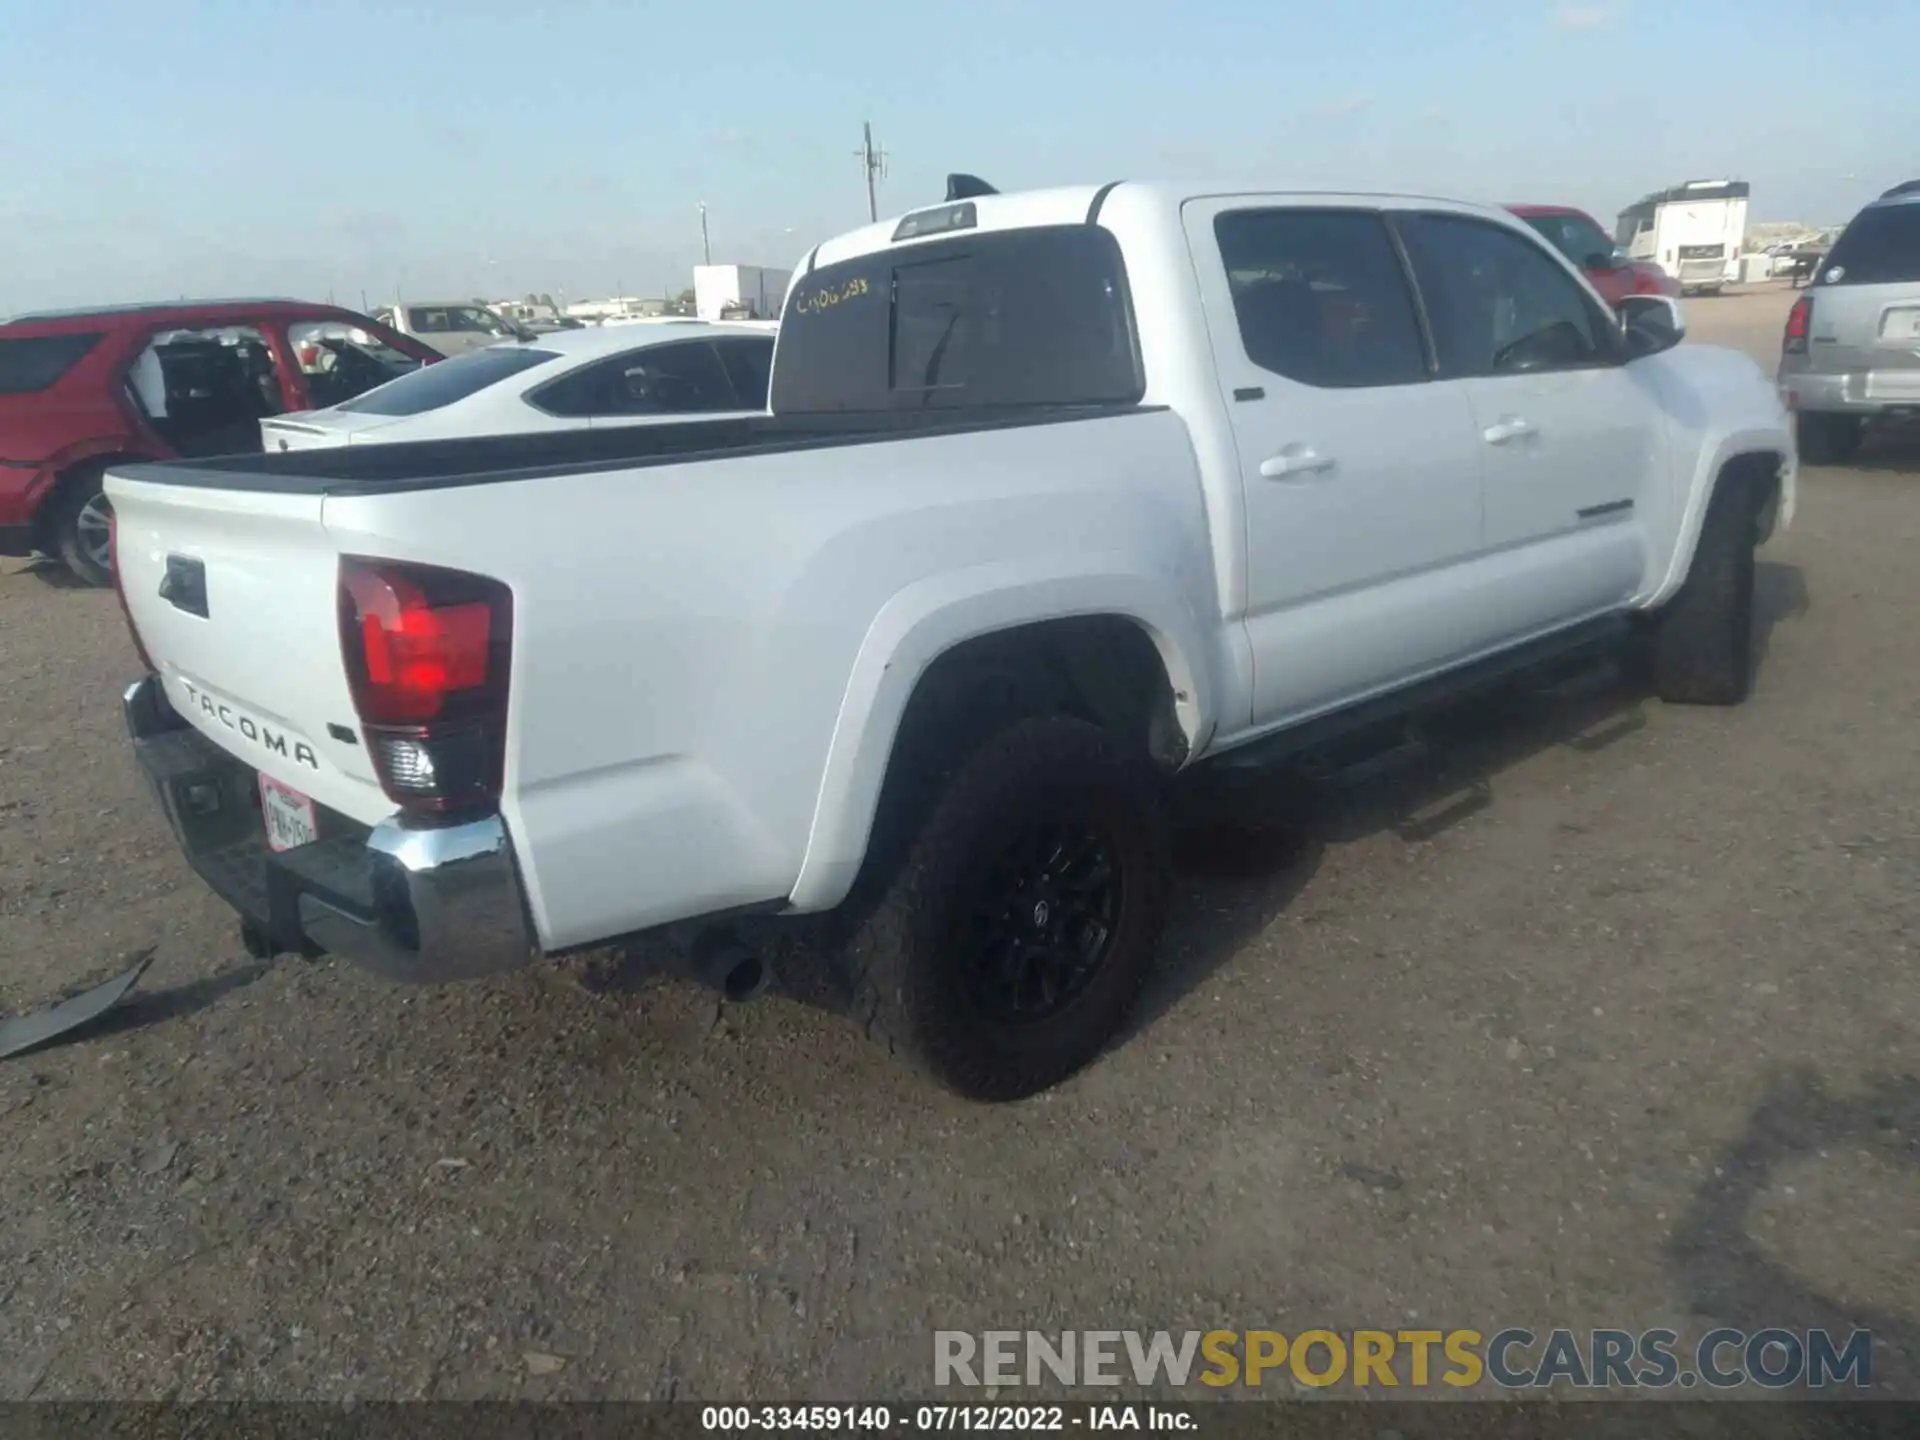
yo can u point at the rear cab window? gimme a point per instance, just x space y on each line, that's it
434 386
35 362
990 319
1880 247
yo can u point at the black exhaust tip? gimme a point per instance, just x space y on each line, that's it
721 961
748 980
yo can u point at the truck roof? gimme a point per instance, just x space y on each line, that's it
1693 190
1083 204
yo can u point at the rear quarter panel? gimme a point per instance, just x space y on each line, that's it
709 659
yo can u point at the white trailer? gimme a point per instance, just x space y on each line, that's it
739 292
1693 230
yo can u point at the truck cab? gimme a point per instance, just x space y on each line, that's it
453 327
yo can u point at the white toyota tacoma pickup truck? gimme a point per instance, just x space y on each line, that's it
1060 493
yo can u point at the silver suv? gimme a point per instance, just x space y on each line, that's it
1852 348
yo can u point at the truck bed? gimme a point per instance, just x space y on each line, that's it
442 464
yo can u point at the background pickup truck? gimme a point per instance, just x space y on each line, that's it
1061 493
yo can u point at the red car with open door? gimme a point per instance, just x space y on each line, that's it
1576 235
81 390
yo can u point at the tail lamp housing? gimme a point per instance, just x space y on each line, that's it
428 652
1799 322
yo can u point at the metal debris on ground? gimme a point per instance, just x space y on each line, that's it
26 1032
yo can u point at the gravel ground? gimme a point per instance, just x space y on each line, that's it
1621 1027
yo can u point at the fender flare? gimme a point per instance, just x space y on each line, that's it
922 623
1706 480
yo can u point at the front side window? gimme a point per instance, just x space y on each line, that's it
1009 318
34 363
432 386
1576 237
1321 296
1498 303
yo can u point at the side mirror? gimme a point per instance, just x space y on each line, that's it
1650 324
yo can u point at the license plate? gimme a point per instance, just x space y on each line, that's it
1901 325
289 815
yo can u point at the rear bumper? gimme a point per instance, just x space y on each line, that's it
427 904
1849 392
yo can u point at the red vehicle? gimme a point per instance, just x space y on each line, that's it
84 389
1575 235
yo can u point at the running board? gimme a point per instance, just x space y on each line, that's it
1323 767
1323 731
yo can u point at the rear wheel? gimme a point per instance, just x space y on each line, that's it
1012 942
82 532
1827 439
1702 641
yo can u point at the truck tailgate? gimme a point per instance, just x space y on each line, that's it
234 593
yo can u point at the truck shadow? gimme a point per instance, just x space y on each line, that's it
1249 847
1779 594
1248 850
1728 1276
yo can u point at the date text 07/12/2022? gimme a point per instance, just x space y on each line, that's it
879 1419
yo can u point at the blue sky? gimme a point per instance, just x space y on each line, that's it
498 146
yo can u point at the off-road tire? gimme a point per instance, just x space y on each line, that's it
76 491
1701 650
908 981
1827 439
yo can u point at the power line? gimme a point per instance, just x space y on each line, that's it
874 163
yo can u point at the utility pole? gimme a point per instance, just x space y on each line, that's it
874 163
706 248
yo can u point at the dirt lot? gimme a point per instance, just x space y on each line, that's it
1635 1042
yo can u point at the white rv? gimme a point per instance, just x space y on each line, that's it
1693 230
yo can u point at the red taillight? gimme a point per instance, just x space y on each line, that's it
113 559
1799 321
427 653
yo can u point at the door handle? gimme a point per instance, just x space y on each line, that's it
1295 460
1510 427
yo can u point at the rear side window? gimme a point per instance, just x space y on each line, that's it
1321 297
433 386
33 364
1880 247
679 379
1008 318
